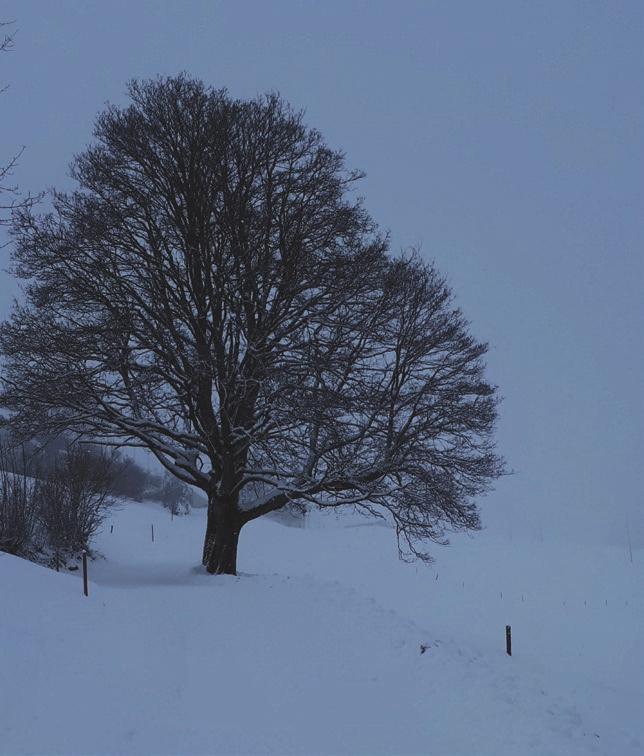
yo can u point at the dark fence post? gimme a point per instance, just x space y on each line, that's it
152 526
85 587
508 640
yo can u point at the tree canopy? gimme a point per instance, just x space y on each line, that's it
214 292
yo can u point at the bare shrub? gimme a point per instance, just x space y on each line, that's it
74 498
18 516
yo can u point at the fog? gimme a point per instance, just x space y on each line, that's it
503 138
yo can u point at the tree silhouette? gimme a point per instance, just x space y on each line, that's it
214 292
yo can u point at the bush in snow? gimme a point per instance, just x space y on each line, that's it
74 497
18 510
18 515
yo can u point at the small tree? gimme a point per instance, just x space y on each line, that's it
174 495
213 292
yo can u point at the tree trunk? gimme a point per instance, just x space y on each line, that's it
210 534
220 544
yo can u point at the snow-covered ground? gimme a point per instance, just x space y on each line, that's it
315 647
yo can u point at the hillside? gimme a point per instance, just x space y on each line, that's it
315 648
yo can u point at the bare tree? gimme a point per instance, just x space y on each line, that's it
8 191
6 41
174 494
74 497
214 293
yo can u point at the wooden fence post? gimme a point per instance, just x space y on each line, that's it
508 640
85 586
152 526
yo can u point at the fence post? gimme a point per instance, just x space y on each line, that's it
152 526
85 587
508 640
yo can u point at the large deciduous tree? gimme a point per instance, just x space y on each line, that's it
214 293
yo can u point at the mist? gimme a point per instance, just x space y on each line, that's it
501 139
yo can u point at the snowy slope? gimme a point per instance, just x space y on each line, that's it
315 649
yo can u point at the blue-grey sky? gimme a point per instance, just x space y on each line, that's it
505 138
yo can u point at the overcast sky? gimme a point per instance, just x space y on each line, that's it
505 138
